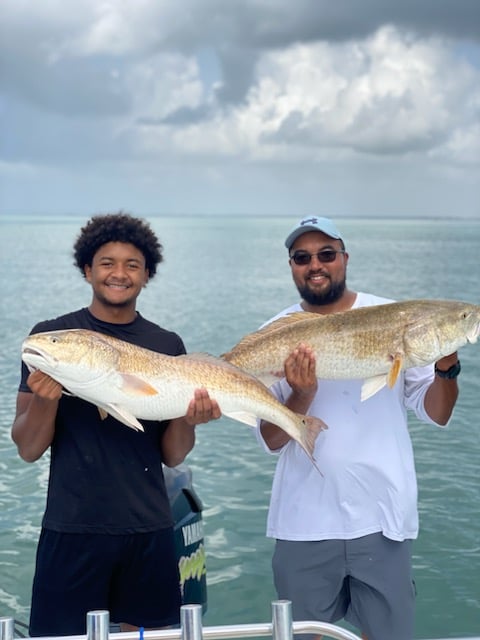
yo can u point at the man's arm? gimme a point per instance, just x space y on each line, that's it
442 394
179 437
34 425
300 374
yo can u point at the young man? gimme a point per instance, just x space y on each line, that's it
107 531
343 541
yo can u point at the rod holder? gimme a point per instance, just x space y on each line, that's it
191 621
282 625
98 623
6 628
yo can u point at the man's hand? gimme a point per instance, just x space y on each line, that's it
300 374
300 371
177 440
44 386
202 409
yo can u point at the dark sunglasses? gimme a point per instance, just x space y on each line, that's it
327 255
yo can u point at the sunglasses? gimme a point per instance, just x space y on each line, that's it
326 255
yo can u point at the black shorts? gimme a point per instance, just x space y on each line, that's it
135 577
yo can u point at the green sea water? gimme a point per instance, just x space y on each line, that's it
221 278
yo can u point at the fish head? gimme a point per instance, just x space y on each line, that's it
75 358
437 328
458 323
472 322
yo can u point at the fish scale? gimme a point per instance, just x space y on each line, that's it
132 383
371 343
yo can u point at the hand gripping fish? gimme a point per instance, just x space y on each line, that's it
371 343
129 382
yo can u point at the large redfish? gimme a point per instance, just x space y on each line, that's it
371 343
130 382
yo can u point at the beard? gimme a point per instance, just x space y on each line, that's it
334 293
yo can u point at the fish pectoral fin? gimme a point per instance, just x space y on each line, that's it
103 413
243 416
133 385
371 386
122 415
395 369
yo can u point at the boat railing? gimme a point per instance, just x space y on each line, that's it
191 628
282 627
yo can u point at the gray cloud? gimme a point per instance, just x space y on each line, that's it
202 92
280 23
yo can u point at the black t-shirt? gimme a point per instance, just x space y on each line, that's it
104 476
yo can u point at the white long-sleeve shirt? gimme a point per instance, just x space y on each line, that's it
366 458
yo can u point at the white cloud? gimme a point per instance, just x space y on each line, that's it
389 94
124 27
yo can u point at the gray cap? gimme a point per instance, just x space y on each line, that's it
312 223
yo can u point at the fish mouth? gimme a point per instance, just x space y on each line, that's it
472 337
33 358
30 350
36 352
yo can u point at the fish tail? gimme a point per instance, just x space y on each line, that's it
311 428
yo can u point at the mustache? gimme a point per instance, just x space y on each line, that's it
334 293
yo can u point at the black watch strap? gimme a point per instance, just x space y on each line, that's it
451 373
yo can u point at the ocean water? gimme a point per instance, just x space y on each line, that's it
221 278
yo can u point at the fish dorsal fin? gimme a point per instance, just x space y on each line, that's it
200 356
267 379
394 372
290 319
208 358
285 321
135 385
371 386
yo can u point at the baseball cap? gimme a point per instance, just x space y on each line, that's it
312 223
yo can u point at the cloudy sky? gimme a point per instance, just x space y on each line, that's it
338 107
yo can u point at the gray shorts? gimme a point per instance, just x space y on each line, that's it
366 581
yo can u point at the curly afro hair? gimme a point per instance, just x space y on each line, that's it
117 227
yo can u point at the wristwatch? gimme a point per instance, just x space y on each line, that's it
450 373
